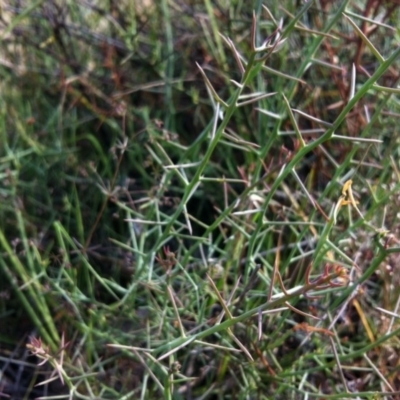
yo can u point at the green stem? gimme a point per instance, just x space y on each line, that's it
325 137
291 294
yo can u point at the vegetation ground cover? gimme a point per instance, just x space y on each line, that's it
199 200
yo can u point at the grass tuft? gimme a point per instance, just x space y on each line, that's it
199 200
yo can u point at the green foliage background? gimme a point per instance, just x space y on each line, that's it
172 215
